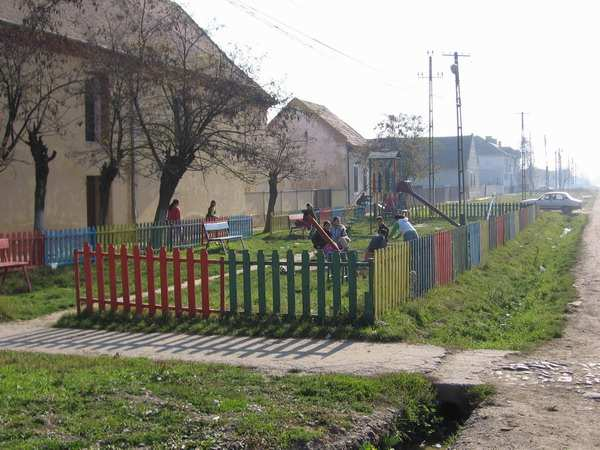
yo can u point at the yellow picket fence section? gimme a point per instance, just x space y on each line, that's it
391 277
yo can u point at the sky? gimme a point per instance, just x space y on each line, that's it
536 57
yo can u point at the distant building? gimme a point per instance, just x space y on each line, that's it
339 153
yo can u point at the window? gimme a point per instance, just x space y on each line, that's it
356 178
96 112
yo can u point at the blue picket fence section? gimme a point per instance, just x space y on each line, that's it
59 245
474 231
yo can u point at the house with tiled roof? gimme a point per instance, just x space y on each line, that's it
338 151
72 198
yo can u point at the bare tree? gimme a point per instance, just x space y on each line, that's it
196 109
401 133
34 88
282 157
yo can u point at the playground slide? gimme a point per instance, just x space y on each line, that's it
321 231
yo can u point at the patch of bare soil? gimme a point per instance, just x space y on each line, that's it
550 398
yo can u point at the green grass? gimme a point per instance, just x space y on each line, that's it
49 401
52 291
515 301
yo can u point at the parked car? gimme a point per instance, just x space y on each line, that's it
555 200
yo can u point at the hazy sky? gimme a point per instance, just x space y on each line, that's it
532 56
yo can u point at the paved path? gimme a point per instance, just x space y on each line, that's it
272 355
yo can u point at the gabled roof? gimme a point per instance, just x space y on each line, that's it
352 136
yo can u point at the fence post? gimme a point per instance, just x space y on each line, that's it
77 281
370 299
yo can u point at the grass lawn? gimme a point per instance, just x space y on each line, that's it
54 289
515 301
49 401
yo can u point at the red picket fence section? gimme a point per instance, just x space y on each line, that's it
108 284
26 246
443 258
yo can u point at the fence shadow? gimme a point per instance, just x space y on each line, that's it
169 344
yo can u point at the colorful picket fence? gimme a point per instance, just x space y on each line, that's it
56 247
410 269
290 286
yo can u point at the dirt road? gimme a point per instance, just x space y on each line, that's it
550 398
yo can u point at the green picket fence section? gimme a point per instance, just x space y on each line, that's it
299 286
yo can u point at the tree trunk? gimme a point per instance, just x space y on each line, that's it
168 185
271 206
42 160
108 174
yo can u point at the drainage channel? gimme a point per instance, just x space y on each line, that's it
455 404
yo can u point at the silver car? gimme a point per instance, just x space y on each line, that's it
555 200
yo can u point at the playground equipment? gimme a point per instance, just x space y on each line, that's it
311 220
405 187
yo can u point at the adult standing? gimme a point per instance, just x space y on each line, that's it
403 228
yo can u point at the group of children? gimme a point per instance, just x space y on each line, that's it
402 228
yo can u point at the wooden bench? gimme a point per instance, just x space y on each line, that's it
6 263
219 232
296 222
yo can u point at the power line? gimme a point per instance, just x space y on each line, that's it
285 28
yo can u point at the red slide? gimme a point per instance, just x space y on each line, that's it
321 231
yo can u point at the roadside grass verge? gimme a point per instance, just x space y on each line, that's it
50 401
516 300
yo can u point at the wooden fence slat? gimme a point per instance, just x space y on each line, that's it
260 272
191 282
150 281
291 289
222 286
100 277
87 268
232 282
112 275
164 282
321 275
305 284
177 281
247 278
137 276
204 286
352 290
125 278
77 280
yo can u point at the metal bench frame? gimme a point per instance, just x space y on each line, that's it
6 264
218 227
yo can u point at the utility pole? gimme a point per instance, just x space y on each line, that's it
546 158
459 140
431 164
523 159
